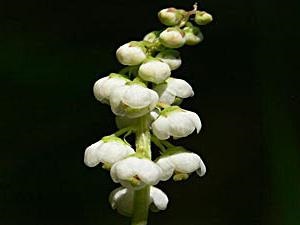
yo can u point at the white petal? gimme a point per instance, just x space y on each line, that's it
146 170
130 55
154 71
90 154
159 198
122 200
180 87
180 125
167 168
99 89
111 152
161 128
165 95
116 100
195 119
137 97
186 162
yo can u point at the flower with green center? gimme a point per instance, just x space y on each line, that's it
131 54
134 172
154 70
176 122
121 199
181 163
172 37
173 88
108 151
133 100
171 57
104 86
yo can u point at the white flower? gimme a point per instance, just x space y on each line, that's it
131 54
104 86
176 122
108 151
171 57
135 172
154 71
122 200
182 164
172 37
193 35
170 16
173 88
133 100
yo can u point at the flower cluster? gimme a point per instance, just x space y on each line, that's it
145 99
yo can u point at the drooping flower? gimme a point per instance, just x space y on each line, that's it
170 16
154 70
176 122
181 163
104 86
133 100
171 57
108 151
121 199
172 37
134 172
173 88
131 54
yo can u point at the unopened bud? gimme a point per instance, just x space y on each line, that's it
152 36
131 54
193 35
170 16
172 37
203 18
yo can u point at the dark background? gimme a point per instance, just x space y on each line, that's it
247 95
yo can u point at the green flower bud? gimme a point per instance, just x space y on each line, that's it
152 36
172 37
170 16
193 35
203 18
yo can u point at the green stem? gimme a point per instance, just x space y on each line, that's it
142 197
157 142
122 131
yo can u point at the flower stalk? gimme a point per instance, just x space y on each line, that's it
145 98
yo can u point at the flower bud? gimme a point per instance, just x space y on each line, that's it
176 122
154 71
193 35
170 16
131 54
171 57
172 37
152 36
104 86
203 18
